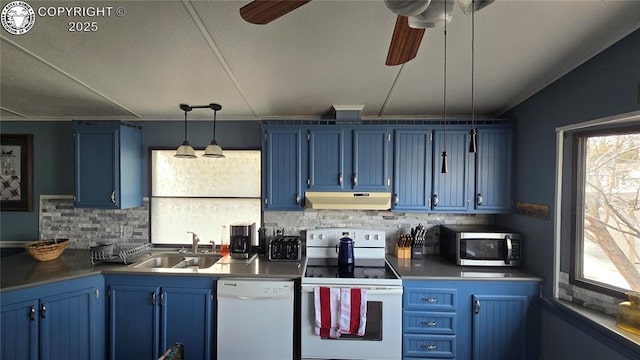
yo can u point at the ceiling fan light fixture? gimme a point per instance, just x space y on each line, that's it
185 151
470 6
437 14
407 7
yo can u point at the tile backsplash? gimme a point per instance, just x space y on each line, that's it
85 227
394 223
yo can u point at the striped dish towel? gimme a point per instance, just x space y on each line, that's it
353 311
327 309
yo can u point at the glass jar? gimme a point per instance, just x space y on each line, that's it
628 317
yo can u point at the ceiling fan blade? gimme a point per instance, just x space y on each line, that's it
405 42
265 11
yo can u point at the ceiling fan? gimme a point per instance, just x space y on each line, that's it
414 16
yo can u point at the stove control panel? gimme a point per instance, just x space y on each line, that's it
330 237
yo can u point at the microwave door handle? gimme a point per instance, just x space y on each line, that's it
507 259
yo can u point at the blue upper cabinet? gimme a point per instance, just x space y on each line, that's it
282 172
494 170
412 166
327 158
451 189
349 159
108 165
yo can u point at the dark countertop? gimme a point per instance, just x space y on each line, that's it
21 270
434 267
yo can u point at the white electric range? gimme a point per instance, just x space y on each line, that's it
383 334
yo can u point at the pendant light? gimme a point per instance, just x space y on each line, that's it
473 132
185 150
214 150
444 106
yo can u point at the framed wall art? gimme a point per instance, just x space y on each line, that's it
16 172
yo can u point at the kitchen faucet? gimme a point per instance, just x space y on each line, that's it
194 241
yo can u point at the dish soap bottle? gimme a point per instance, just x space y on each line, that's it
628 317
224 241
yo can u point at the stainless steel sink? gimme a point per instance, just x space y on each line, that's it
178 261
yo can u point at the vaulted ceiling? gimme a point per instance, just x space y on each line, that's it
158 54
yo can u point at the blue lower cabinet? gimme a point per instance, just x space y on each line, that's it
479 320
148 314
61 320
429 346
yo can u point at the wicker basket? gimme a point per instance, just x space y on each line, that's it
45 250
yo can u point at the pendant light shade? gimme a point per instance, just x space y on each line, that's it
185 150
214 150
440 12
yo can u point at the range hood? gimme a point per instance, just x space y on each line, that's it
348 200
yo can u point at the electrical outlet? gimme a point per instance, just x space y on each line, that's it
127 232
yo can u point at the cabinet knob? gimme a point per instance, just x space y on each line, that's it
479 199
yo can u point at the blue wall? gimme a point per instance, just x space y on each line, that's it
606 85
53 158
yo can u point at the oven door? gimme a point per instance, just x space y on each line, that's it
383 334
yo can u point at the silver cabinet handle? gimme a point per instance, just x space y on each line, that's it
153 298
340 179
396 199
479 199
430 300
113 196
476 306
428 347
298 198
435 200
429 323
355 179
43 310
162 299
32 313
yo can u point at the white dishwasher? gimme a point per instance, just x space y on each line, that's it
255 319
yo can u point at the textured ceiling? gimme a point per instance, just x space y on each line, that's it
140 66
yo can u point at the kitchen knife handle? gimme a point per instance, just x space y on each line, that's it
32 313
113 196
43 310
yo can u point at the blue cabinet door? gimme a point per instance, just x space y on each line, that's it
134 320
412 170
108 166
327 159
187 318
451 189
66 329
371 157
282 161
499 327
19 330
494 170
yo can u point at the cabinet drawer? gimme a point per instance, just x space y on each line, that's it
432 346
430 299
440 323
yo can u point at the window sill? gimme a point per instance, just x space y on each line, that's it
601 326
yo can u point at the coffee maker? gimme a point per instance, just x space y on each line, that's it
241 240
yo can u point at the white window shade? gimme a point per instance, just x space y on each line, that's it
235 175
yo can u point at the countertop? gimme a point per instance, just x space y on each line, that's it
21 270
434 267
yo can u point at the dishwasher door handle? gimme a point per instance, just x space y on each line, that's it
240 297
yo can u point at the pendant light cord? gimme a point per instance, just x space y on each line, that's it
214 124
444 95
473 35
185 126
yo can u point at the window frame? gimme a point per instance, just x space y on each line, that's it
150 186
577 184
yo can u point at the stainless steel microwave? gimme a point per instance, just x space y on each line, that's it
481 245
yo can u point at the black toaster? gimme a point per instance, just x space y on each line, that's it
285 248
